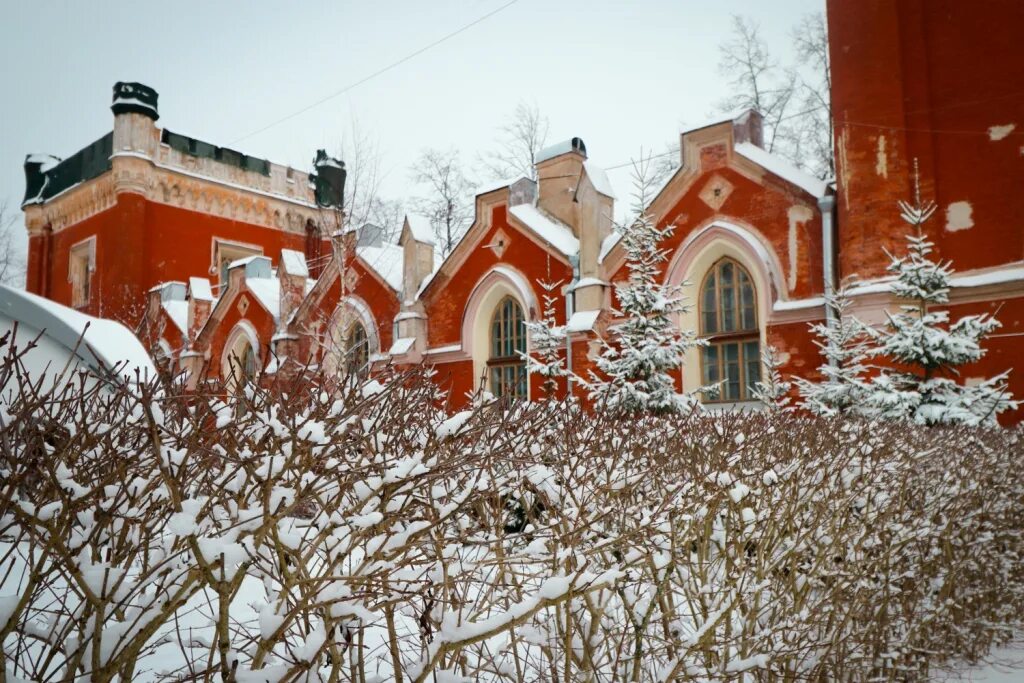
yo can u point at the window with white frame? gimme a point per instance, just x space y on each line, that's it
81 265
728 322
506 365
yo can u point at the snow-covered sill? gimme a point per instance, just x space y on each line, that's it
992 277
443 349
798 304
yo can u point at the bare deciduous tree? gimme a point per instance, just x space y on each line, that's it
520 138
794 100
363 201
757 80
12 261
447 203
812 129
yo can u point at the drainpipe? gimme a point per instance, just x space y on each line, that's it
570 306
827 204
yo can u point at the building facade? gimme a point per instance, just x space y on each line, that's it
236 268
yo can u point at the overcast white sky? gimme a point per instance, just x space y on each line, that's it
618 74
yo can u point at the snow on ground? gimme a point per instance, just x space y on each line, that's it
1003 665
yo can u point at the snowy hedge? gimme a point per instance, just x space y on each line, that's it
370 536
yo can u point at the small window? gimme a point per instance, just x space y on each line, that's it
728 322
81 264
507 366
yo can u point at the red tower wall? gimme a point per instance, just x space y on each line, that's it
938 81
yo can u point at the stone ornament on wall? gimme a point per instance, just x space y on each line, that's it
716 191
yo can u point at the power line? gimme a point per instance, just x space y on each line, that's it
385 69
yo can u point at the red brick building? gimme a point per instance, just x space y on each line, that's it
230 265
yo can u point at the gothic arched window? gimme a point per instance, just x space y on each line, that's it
248 364
728 321
357 351
506 364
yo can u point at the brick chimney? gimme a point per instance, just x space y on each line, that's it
558 173
200 303
292 273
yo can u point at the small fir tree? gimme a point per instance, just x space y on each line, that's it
647 346
548 341
845 344
772 391
926 348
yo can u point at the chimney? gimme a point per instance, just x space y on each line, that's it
558 173
135 115
329 181
748 127
417 242
292 273
595 204
200 304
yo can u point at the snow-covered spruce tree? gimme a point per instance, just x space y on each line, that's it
548 341
926 348
647 346
772 391
845 344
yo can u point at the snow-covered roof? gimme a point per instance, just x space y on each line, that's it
607 244
294 262
558 149
496 185
421 229
599 178
95 341
582 321
386 261
267 291
47 161
199 288
735 116
782 168
554 232
402 346
177 311
244 261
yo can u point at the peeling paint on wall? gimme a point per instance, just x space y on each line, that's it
958 216
881 162
798 214
844 168
1000 132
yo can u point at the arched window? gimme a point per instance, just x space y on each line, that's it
728 321
357 351
248 364
506 366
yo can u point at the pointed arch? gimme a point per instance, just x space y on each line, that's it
492 289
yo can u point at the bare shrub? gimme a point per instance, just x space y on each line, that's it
364 534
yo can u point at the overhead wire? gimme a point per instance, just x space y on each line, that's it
376 73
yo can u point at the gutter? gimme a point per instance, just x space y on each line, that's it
570 308
827 205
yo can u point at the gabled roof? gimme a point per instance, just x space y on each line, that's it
386 261
552 231
782 168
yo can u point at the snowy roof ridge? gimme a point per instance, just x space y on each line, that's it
420 228
497 185
386 261
599 179
549 229
782 168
